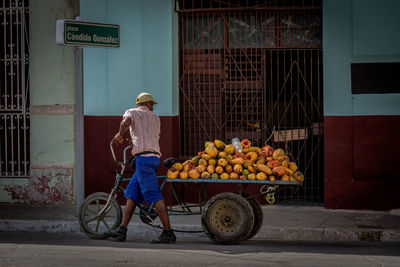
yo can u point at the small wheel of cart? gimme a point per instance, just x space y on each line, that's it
258 217
96 217
227 218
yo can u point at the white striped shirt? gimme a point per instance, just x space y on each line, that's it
144 130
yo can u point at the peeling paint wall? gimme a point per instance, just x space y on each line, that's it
45 186
52 110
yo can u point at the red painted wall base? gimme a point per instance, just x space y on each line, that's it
361 162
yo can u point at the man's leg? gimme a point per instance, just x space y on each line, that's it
167 235
128 212
120 233
163 214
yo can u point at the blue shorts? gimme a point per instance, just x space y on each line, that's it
144 182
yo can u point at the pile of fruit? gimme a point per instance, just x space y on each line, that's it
220 161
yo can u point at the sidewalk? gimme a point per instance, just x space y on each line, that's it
284 223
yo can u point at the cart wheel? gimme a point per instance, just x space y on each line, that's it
94 224
270 198
227 218
258 217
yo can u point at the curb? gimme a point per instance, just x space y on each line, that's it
266 233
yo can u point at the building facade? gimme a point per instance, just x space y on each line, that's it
310 71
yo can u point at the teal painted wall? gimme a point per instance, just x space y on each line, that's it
52 136
145 61
357 31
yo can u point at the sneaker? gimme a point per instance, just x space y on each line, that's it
166 237
118 234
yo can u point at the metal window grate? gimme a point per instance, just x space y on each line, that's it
14 88
248 67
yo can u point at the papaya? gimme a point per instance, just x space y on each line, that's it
238 161
252 149
206 156
285 178
288 171
251 176
242 177
246 143
222 162
269 159
188 165
212 151
224 176
208 143
245 172
263 154
177 166
251 169
219 169
263 168
233 175
194 174
172 173
260 160
219 144
280 171
299 176
214 176
201 168
270 150
229 149
211 169
183 175
251 157
196 159
205 175
261 176
228 168
238 168
273 163
212 162
279 154
203 162
292 166
222 154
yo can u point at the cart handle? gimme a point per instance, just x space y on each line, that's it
117 162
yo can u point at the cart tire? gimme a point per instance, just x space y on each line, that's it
93 225
227 218
258 217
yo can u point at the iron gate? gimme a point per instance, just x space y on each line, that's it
253 69
14 88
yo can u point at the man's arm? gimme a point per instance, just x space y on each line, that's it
123 127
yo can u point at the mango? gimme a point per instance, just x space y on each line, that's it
201 168
222 154
212 151
228 168
293 166
237 161
279 154
212 162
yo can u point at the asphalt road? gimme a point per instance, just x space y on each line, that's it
40 249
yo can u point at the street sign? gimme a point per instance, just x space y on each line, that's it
80 33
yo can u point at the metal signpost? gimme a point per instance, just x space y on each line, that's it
79 33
